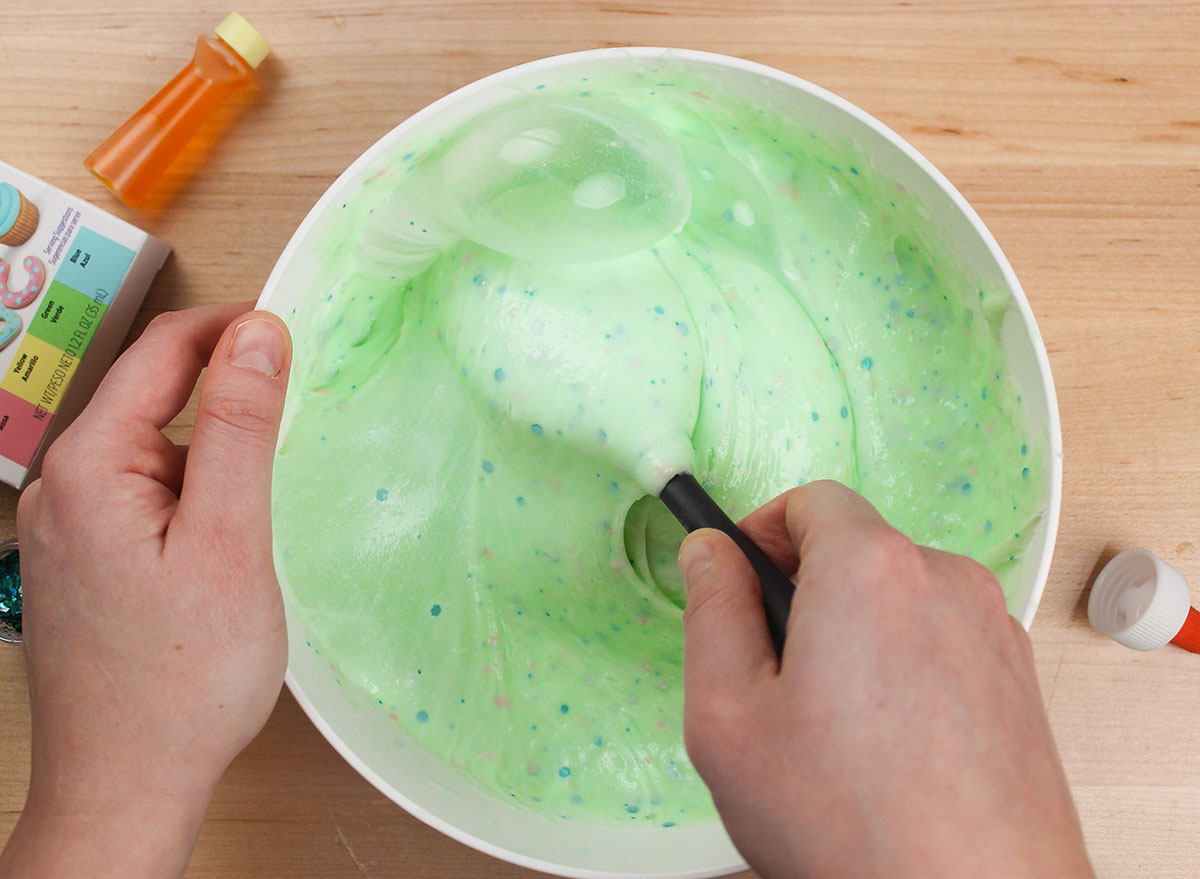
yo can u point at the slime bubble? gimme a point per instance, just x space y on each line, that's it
522 325
566 181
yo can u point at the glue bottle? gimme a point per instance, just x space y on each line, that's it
134 157
1142 602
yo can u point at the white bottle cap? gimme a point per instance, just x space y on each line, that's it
1139 600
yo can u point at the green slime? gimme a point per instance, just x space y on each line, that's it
522 330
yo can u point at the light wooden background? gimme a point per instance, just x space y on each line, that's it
1074 130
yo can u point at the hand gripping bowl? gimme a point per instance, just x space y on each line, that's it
440 795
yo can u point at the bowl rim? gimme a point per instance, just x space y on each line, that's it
712 59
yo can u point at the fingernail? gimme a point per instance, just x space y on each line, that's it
258 345
695 555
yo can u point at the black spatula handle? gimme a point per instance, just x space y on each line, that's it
690 504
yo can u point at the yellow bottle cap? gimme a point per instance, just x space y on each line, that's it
241 36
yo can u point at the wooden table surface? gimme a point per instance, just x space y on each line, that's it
1074 130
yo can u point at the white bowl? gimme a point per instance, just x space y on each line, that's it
433 791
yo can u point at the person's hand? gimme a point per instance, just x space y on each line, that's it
154 629
902 734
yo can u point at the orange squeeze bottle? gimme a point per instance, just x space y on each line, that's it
134 157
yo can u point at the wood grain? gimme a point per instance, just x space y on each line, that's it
1074 130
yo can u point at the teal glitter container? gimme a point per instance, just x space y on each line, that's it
10 593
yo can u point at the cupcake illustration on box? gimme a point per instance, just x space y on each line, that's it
18 216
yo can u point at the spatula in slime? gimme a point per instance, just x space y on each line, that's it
691 505
578 193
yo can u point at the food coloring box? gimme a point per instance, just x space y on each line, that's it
72 277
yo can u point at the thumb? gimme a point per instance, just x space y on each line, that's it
726 642
227 482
